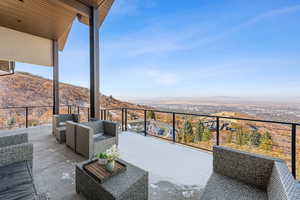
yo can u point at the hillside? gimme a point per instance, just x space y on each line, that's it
25 89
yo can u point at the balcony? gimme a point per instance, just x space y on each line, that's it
178 166
175 171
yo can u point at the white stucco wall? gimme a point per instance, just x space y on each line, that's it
22 47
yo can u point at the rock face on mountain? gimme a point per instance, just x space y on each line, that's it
25 89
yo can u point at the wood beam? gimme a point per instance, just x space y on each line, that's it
55 78
76 6
94 64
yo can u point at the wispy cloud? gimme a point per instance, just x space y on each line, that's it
160 77
272 13
130 7
159 37
124 7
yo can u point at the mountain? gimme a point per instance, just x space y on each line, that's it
25 89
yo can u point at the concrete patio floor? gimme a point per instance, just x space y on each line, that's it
176 172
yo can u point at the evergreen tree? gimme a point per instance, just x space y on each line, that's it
229 137
151 115
179 136
206 135
199 132
242 137
255 138
266 142
188 131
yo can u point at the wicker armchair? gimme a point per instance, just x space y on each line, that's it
59 125
240 175
95 137
16 156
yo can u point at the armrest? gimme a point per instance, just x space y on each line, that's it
71 127
13 139
282 184
110 128
16 153
84 139
246 167
71 123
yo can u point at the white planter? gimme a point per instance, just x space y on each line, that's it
102 161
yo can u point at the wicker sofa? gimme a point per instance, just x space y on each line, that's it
59 125
16 179
91 138
240 175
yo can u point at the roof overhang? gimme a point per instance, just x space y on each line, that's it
50 19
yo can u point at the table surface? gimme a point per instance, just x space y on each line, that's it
99 170
123 181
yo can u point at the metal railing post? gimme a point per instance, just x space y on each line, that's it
218 131
145 122
78 110
122 119
294 167
174 127
26 117
88 113
125 119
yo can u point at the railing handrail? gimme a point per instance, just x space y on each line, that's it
212 116
19 107
164 111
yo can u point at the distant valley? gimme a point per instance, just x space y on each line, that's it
287 110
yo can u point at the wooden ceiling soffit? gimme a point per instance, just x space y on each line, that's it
103 7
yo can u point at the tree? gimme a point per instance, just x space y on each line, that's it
242 137
206 135
199 131
266 141
11 122
188 131
229 137
179 135
255 138
151 115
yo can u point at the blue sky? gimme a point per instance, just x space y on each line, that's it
157 48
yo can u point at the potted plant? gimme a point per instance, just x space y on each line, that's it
112 154
102 158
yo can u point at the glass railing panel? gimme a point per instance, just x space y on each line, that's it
160 124
83 113
262 138
12 118
135 121
63 109
196 131
39 116
115 115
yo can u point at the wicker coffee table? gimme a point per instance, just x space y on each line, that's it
131 184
